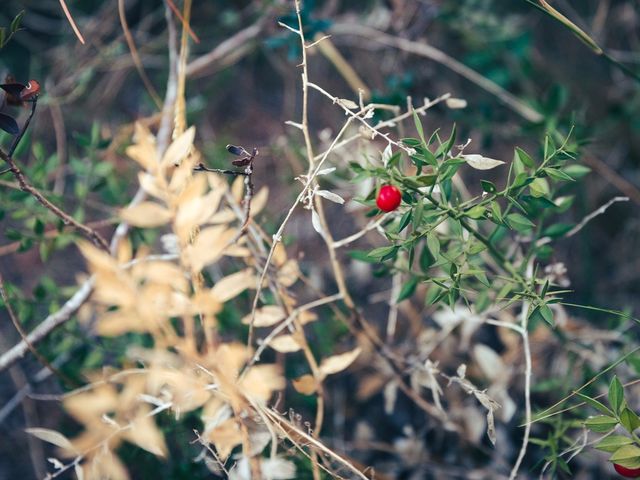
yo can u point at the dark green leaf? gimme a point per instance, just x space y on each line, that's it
15 23
488 187
407 289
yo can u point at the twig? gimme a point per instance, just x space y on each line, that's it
594 214
23 335
185 24
422 49
135 56
47 325
352 238
524 333
71 21
277 237
201 167
287 322
25 186
358 116
67 219
22 131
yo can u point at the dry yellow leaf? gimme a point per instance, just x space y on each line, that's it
53 437
233 285
195 187
146 215
145 434
226 437
284 344
337 363
124 251
237 188
98 260
307 316
259 201
88 407
105 465
179 148
164 273
305 384
223 216
261 381
149 184
195 212
237 251
266 316
288 273
118 322
208 247
114 288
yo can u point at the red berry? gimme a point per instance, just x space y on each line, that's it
389 198
627 472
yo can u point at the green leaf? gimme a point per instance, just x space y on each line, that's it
475 212
496 213
433 244
521 180
519 222
434 294
362 256
382 251
557 230
595 404
613 443
407 289
426 259
576 171
629 419
627 456
557 174
3 35
15 23
539 187
419 129
601 423
404 221
547 314
616 394
488 187
38 227
525 158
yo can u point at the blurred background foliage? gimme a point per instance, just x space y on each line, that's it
92 94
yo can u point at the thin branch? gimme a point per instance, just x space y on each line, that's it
71 21
47 325
528 370
135 56
594 214
424 50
